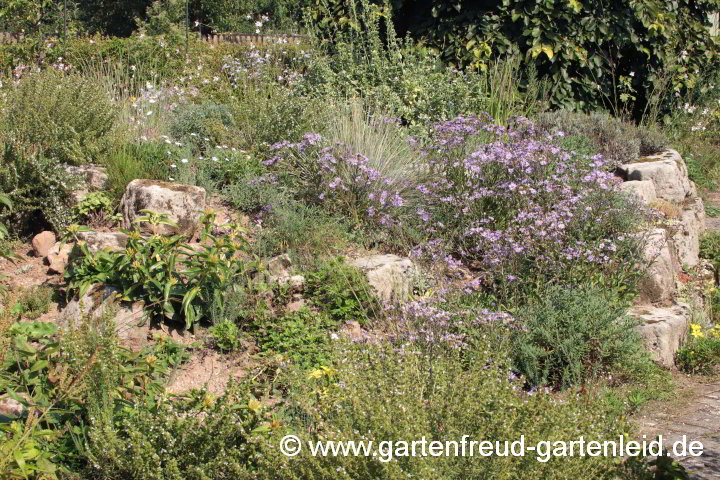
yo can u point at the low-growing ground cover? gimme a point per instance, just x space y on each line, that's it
514 324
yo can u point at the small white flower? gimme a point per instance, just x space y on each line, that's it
184 160
632 74
173 166
149 113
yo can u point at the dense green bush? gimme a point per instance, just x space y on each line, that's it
302 336
195 438
304 231
39 189
570 336
613 138
407 80
597 53
66 117
386 393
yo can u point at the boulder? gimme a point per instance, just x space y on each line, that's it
58 257
643 190
663 329
658 284
42 243
128 319
390 276
95 177
182 203
110 241
666 170
686 237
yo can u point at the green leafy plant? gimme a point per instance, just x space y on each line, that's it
701 354
95 204
226 335
710 248
570 336
176 280
302 336
342 291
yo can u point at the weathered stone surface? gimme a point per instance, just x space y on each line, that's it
11 407
58 256
279 267
94 176
666 170
643 190
663 329
182 203
42 243
658 285
391 276
690 225
130 325
111 241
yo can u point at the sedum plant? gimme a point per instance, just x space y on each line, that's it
176 280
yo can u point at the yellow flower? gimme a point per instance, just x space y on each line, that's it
696 331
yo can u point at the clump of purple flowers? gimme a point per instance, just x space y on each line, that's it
510 203
426 321
343 181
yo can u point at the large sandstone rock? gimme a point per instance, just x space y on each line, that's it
182 203
690 225
666 170
128 319
658 285
643 190
110 241
663 329
390 276
42 243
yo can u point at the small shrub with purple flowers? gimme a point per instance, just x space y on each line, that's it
524 211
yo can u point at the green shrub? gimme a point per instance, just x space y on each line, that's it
570 336
302 336
402 393
252 193
176 281
609 136
61 380
364 58
39 189
342 291
67 117
225 335
202 126
701 354
570 44
266 113
193 438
